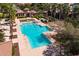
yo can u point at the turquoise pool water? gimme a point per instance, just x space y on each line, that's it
34 34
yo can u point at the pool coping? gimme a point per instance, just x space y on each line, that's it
23 43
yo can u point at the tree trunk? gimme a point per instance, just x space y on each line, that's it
54 13
11 32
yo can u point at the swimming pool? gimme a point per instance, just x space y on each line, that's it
34 34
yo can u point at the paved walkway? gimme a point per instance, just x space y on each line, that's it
24 46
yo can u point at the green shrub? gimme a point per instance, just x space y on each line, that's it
6 16
1 37
70 39
1 15
13 50
21 16
38 16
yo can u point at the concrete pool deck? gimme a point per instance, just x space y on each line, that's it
24 46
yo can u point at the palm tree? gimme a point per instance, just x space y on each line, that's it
54 7
12 13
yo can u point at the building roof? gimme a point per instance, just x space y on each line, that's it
33 11
26 11
20 11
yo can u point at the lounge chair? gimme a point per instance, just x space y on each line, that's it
6 33
14 36
14 24
14 30
7 38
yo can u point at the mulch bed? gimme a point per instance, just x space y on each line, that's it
15 50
